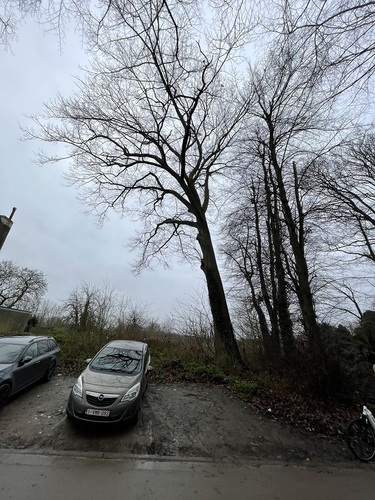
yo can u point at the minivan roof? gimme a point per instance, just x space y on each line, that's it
127 344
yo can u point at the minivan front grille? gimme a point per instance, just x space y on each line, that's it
100 400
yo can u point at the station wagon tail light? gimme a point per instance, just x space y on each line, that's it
132 393
77 387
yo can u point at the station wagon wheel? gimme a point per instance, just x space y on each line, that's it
50 372
4 392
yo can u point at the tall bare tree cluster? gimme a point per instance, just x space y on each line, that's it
178 107
307 197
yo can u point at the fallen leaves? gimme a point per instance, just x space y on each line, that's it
327 419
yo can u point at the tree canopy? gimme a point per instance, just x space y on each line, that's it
20 287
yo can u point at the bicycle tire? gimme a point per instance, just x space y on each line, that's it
361 439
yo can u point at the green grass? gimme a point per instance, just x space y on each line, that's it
252 386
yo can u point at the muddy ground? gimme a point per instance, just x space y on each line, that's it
180 420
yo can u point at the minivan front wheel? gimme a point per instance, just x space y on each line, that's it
5 389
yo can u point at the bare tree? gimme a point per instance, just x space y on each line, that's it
348 180
290 126
256 248
74 306
343 33
156 118
193 329
132 319
20 286
53 15
91 308
49 314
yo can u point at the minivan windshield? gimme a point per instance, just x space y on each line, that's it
10 352
115 359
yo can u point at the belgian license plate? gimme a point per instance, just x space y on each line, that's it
97 413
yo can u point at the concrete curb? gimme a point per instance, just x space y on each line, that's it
128 457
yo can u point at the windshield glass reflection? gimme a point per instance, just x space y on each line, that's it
10 352
114 359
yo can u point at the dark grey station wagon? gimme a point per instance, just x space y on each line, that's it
25 359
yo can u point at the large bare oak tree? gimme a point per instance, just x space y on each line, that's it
152 126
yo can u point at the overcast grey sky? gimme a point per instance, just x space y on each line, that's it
51 233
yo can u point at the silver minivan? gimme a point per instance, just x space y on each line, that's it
112 386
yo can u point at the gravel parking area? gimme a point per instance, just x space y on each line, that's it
179 420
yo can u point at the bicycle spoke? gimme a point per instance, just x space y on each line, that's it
361 440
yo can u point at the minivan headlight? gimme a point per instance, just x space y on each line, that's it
132 393
77 387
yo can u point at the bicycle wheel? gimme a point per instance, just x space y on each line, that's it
361 439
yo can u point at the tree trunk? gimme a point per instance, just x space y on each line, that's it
281 299
264 330
296 237
226 347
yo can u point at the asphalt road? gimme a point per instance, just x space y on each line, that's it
100 476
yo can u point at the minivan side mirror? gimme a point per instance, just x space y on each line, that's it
149 368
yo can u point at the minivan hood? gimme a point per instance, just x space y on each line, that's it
108 382
4 366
